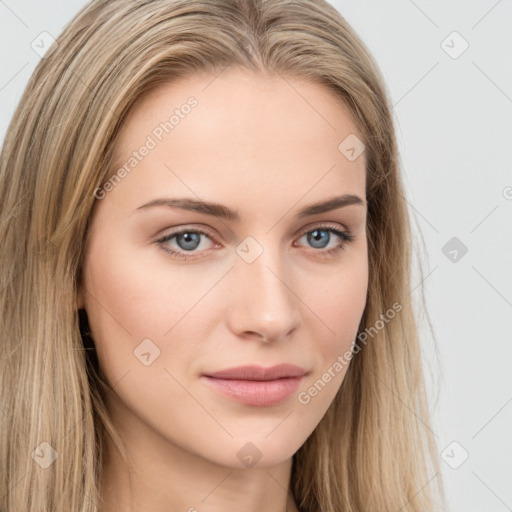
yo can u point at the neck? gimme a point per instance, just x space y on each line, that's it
164 477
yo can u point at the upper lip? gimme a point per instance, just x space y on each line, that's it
254 372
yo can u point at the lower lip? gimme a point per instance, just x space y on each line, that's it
253 392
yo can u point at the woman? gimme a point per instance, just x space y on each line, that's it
177 333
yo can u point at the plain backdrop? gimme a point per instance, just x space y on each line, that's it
448 69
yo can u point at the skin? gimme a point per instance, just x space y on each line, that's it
266 147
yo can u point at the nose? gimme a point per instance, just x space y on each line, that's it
264 305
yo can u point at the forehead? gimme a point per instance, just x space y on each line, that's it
254 135
250 107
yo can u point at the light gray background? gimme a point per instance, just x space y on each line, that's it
454 124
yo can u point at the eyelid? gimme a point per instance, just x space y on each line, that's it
341 232
299 233
188 227
319 225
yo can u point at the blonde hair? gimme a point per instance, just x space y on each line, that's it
374 449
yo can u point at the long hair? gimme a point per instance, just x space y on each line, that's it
373 449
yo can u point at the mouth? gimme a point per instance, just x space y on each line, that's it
255 385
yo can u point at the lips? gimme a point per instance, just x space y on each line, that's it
254 372
256 385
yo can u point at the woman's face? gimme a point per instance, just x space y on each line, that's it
175 294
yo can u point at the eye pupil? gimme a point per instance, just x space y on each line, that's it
314 237
191 240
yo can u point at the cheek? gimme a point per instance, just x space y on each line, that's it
130 300
339 306
341 301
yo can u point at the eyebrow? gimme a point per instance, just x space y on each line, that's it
223 212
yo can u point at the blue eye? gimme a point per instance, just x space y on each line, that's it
189 240
321 236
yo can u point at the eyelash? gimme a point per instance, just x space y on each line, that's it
345 236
